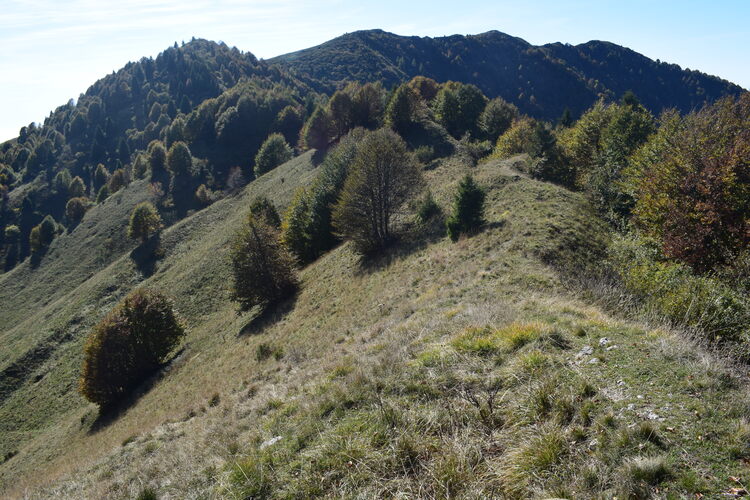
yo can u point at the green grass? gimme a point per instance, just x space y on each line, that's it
439 371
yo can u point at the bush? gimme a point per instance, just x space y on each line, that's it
672 290
262 268
383 177
468 209
203 196
144 221
128 345
271 154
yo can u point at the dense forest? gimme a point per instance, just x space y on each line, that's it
542 81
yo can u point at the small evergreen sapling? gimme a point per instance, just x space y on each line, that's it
468 209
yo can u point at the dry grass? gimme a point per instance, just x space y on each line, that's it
384 385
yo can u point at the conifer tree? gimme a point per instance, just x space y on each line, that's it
468 209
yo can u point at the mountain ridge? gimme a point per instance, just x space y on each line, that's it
510 67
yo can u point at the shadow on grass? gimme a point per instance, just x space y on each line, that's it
266 317
146 255
411 240
108 415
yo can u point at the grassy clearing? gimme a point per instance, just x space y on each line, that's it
441 371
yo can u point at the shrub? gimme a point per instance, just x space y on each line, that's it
144 221
468 209
272 153
262 268
674 291
383 177
203 196
128 345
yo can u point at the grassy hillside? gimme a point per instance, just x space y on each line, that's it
541 80
440 370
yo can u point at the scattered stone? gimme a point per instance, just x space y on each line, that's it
593 444
611 347
594 361
620 382
603 341
631 407
587 350
270 442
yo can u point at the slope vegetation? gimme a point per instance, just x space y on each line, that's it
439 370
541 80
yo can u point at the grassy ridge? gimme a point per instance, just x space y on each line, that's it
439 370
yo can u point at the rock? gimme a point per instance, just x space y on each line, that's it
586 350
270 442
611 347
603 341
593 444
594 361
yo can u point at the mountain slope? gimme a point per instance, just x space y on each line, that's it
368 375
540 80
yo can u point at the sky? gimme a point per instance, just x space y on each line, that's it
53 50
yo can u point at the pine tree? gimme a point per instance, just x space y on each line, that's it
468 209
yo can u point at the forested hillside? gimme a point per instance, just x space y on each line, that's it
541 80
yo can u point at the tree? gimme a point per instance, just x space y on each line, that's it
468 209
180 166
117 181
497 117
263 270
42 235
400 113
76 208
103 194
101 176
318 130
77 188
383 176
273 152
262 209
288 123
157 161
128 345
144 221
691 181
12 237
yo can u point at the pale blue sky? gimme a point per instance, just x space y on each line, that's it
52 50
